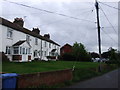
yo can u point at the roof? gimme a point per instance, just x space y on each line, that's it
53 50
24 30
19 43
66 45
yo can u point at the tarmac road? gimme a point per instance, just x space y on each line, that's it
109 80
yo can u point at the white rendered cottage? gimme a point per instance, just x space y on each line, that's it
20 44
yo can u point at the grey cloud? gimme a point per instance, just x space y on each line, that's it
63 29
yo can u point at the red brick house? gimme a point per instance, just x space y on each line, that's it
65 49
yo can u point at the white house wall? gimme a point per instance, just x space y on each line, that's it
17 35
1 36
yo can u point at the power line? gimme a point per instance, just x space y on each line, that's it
109 5
62 19
109 27
108 19
50 11
109 36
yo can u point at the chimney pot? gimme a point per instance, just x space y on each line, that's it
19 21
47 36
36 30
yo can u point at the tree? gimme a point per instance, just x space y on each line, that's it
105 55
80 52
94 55
68 57
113 56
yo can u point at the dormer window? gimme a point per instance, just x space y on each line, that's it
9 33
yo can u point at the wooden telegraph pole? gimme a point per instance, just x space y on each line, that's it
98 26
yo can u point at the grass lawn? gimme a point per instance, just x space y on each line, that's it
82 71
42 66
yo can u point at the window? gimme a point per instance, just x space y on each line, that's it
26 51
8 50
16 50
49 45
35 53
29 51
20 50
45 44
36 41
28 38
41 53
55 46
9 33
45 53
23 50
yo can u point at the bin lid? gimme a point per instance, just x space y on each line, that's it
8 75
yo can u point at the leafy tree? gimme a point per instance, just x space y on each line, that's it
113 56
105 55
68 57
80 52
94 55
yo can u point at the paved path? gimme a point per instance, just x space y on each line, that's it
109 80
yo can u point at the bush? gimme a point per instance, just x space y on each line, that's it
68 57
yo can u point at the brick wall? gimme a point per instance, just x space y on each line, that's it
44 78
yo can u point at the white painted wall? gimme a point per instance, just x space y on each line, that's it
17 35
1 36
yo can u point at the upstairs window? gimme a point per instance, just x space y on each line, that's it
45 44
55 46
28 38
9 33
49 45
36 41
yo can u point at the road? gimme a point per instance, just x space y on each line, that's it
109 80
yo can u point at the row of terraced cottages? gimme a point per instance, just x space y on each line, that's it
21 44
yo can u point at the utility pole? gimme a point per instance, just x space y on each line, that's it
98 26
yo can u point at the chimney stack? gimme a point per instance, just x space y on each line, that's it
19 21
47 36
36 30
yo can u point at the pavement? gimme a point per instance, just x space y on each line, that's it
108 80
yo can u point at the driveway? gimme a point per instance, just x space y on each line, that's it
109 80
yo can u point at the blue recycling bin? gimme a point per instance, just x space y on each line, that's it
9 80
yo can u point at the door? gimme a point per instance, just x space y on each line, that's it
24 58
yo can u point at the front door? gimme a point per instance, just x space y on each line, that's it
24 57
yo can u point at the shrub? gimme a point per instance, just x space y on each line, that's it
68 57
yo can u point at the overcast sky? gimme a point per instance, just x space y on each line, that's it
64 29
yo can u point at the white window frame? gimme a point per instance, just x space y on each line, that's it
35 53
45 53
16 50
23 50
20 50
45 44
49 45
8 50
9 33
28 38
36 41
29 50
